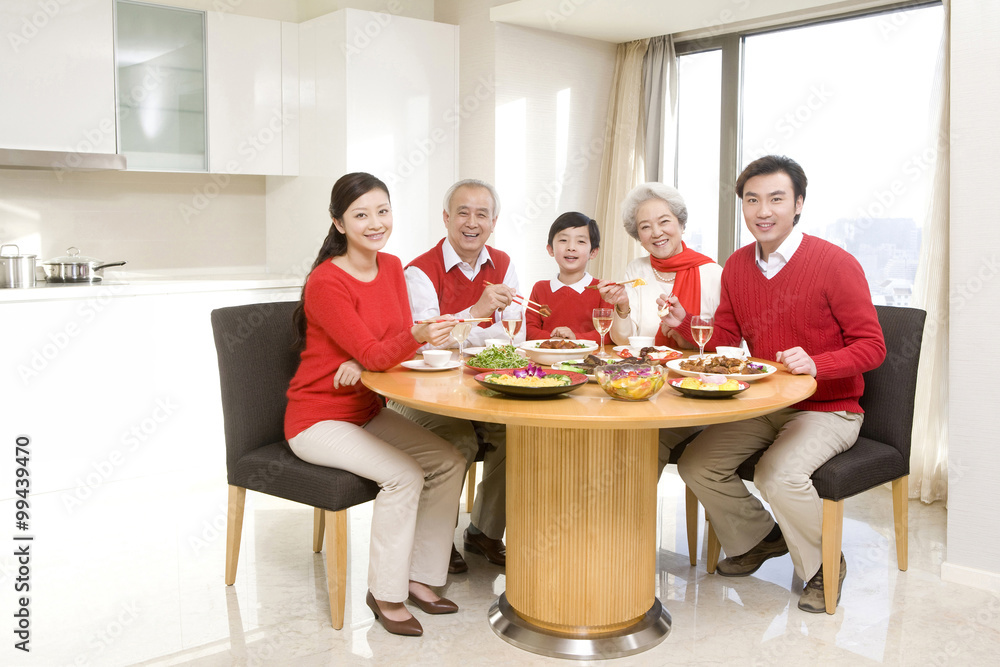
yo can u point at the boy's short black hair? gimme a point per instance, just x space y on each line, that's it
575 219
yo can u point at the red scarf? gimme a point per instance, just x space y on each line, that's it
687 282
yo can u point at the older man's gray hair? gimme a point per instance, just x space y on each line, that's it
641 194
473 182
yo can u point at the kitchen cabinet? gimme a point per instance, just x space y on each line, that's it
57 79
160 58
250 105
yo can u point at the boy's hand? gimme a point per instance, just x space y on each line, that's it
493 298
348 374
563 332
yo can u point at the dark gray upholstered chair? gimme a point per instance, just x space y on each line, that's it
881 453
256 364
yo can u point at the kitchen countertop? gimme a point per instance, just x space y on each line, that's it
141 285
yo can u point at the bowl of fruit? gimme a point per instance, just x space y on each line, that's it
629 382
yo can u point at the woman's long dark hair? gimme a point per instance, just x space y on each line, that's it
347 190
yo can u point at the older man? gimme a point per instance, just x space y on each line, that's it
463 276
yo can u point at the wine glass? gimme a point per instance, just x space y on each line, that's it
602 322
460 334
701 329
511 326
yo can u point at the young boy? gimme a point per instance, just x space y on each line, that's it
573 241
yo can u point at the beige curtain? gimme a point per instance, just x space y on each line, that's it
659 89
622 166
929 451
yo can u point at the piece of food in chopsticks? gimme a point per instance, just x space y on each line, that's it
635 282
723 366
502 356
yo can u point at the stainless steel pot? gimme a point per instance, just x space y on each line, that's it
75 268
16 270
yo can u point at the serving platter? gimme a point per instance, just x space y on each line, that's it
675 366
576 380
706 393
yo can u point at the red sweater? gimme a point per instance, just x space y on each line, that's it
820 302
348 319
456 292
569 309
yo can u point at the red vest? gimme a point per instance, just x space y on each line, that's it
455 291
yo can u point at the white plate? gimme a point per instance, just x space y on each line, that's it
421 365
546 356
675 366
634 351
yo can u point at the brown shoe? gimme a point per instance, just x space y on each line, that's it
494 550
439 606
813 599
408 628
750 562
457 564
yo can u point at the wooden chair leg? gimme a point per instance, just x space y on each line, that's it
714 546
319 524
900 513
234 531
691 512
470 487
336 564
833 531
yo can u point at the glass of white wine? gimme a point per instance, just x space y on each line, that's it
511 326
602 322
701 329
460 334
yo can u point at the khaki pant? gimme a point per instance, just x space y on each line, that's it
413 518
489 512
797 442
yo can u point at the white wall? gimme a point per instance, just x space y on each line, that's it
973 554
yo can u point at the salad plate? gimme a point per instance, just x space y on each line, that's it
576 380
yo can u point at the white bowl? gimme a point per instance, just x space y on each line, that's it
548 357
497 342
731 352
437 358
640 342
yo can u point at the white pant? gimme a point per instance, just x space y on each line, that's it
420 475
797 442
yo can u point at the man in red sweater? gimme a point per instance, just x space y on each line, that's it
463 276
803 302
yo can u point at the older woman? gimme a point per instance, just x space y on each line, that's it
655 215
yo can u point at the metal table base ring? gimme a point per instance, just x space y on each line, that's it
649 631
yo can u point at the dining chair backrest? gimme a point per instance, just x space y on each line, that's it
256 364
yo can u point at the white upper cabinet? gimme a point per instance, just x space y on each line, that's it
246 120
57 76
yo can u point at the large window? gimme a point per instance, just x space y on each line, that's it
851 101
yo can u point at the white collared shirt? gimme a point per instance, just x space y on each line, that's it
424 298
777 259
555 284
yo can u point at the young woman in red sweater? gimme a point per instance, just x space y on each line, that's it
355 314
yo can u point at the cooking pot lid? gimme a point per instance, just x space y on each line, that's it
17 254
72 256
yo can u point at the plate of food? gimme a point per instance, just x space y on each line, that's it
494 358
653 354
553 351
728 367
584 366
531 382
708 386
421 365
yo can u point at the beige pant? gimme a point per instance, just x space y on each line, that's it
797 443
668 439
413 519
489 512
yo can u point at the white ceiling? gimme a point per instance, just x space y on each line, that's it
625 20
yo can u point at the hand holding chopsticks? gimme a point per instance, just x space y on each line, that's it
541 309
435 320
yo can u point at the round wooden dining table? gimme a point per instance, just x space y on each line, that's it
581 501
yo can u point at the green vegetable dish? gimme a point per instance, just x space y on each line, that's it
498 357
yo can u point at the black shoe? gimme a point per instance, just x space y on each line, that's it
457 564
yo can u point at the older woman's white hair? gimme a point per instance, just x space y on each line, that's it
641 194
475 183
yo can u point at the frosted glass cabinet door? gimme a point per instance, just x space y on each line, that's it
57 84
161 87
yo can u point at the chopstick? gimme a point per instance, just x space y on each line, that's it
524 303
633 282
470 319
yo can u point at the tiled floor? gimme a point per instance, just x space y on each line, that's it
134 575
